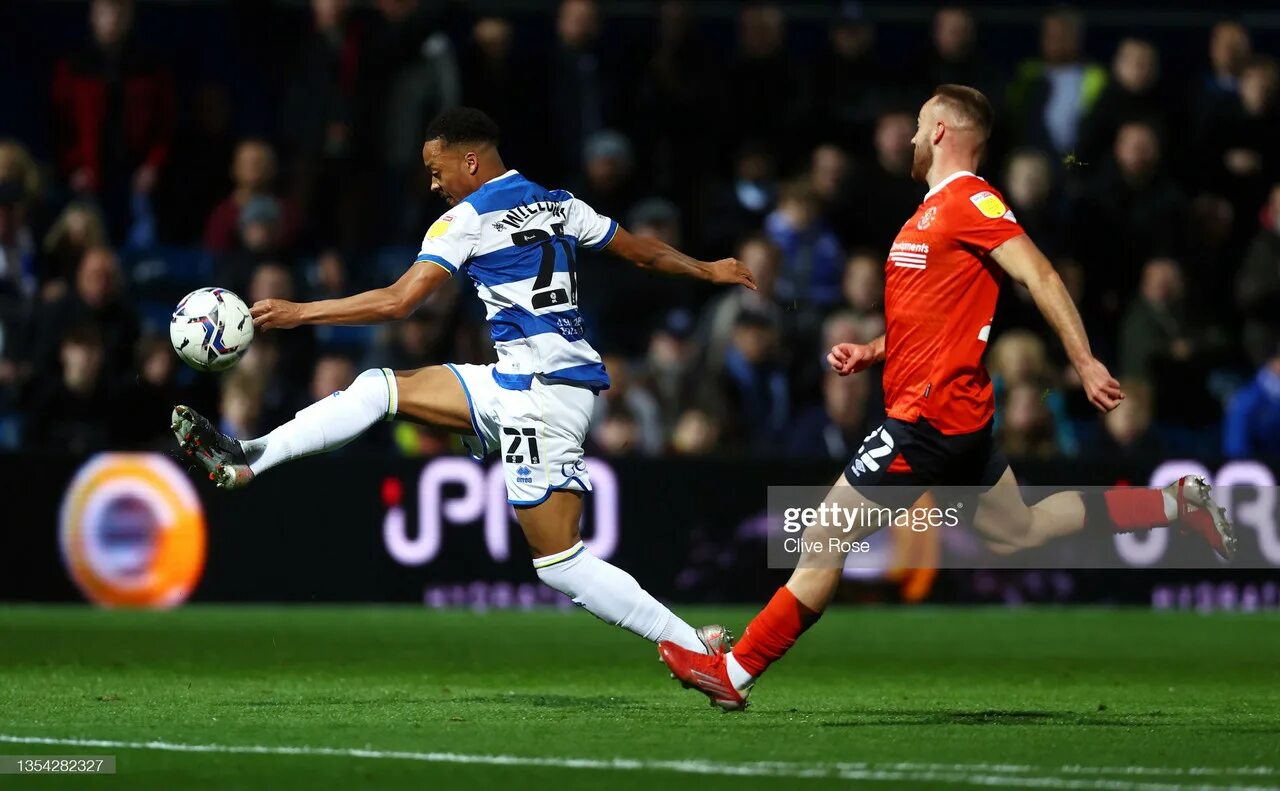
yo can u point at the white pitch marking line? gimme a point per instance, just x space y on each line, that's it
960 774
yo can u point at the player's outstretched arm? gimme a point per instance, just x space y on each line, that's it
378 305
1026 264
654 254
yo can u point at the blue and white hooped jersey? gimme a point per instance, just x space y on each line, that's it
517 241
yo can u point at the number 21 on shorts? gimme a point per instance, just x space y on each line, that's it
516 437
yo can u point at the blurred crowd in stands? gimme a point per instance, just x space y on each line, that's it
1158 199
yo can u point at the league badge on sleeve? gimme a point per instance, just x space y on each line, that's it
991 206
439 227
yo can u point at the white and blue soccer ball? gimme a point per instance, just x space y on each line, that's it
211 329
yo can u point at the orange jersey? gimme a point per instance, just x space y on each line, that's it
940 291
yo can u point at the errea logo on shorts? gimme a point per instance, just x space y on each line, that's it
524 474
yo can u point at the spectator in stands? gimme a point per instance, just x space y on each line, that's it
627 416
151 394
1217 97
18 167
1050 95
1128 430
697 433
754 383
19 189
863 284
883 194
1154 325
583 82
259 236
96 300
834 429
955 57
75 231
1164 343
760 68
1258 285
720 317
414 342
318 122
332 374
241 404
17 274
196 176
621 300
1245 162
1028 186
850 84
738 208
327 277
1252 426
408 74
1133 211
608 166
1019 359
617 434
672 368
829 176
293 351
253 174
846 326
1027 428
812 261
73 406
17 248
114 115
1132 93
492 73
676 96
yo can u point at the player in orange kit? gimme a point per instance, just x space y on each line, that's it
942 279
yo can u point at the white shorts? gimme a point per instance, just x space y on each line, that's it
539 432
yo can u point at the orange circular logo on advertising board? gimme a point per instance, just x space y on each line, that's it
132 531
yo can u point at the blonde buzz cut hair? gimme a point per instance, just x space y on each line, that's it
970 105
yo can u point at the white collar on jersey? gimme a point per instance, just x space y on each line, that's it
511 172
948 180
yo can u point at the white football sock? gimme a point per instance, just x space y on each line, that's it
327 424
613 595
739 677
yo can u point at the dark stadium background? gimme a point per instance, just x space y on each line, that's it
693 442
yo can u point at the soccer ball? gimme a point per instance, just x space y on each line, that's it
211 329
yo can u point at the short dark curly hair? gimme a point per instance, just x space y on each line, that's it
464 125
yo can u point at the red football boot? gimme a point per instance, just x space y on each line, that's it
1200 515
704 672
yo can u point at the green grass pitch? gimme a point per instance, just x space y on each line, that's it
374 697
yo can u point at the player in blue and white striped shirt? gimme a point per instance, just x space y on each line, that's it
516 241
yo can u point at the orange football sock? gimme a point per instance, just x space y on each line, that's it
1132 509
773 631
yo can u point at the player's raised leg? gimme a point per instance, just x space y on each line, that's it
1010 525
727 679
565 564
428 395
